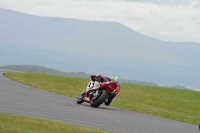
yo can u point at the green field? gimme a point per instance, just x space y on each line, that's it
176 104
21 124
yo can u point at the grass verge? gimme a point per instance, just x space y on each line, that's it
176 104
21 124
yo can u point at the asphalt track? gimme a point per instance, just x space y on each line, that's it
16 98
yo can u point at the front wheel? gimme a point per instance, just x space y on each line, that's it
80 98
96 102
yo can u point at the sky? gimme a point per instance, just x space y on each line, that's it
167 20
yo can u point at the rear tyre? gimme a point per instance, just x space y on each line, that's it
99 99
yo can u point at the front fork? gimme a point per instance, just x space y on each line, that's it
97 92
94 95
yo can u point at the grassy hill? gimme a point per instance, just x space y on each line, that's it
176 104
45 70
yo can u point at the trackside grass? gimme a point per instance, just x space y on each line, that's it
176 104
21 124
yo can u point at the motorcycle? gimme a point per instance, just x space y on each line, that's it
97 96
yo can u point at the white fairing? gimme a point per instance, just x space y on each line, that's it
90 85
96 85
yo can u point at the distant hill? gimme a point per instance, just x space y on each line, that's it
179 87
109 48
138 82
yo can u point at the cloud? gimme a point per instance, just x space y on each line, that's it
173 20
197 6
164 2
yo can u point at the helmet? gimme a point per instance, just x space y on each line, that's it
115 78
93 77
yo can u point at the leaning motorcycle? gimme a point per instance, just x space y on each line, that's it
96 96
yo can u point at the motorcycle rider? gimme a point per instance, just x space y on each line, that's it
103 82
115 92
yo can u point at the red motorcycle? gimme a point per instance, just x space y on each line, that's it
98 96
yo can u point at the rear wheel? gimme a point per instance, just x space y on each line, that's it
99 99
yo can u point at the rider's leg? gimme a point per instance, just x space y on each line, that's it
109 100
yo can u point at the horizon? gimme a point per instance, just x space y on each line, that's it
160 85
136 81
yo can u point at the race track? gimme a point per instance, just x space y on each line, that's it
16 98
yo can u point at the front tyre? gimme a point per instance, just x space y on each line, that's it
96 102
80 98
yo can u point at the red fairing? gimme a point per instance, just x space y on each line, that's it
109 86
86 97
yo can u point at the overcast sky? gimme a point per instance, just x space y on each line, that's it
168 20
